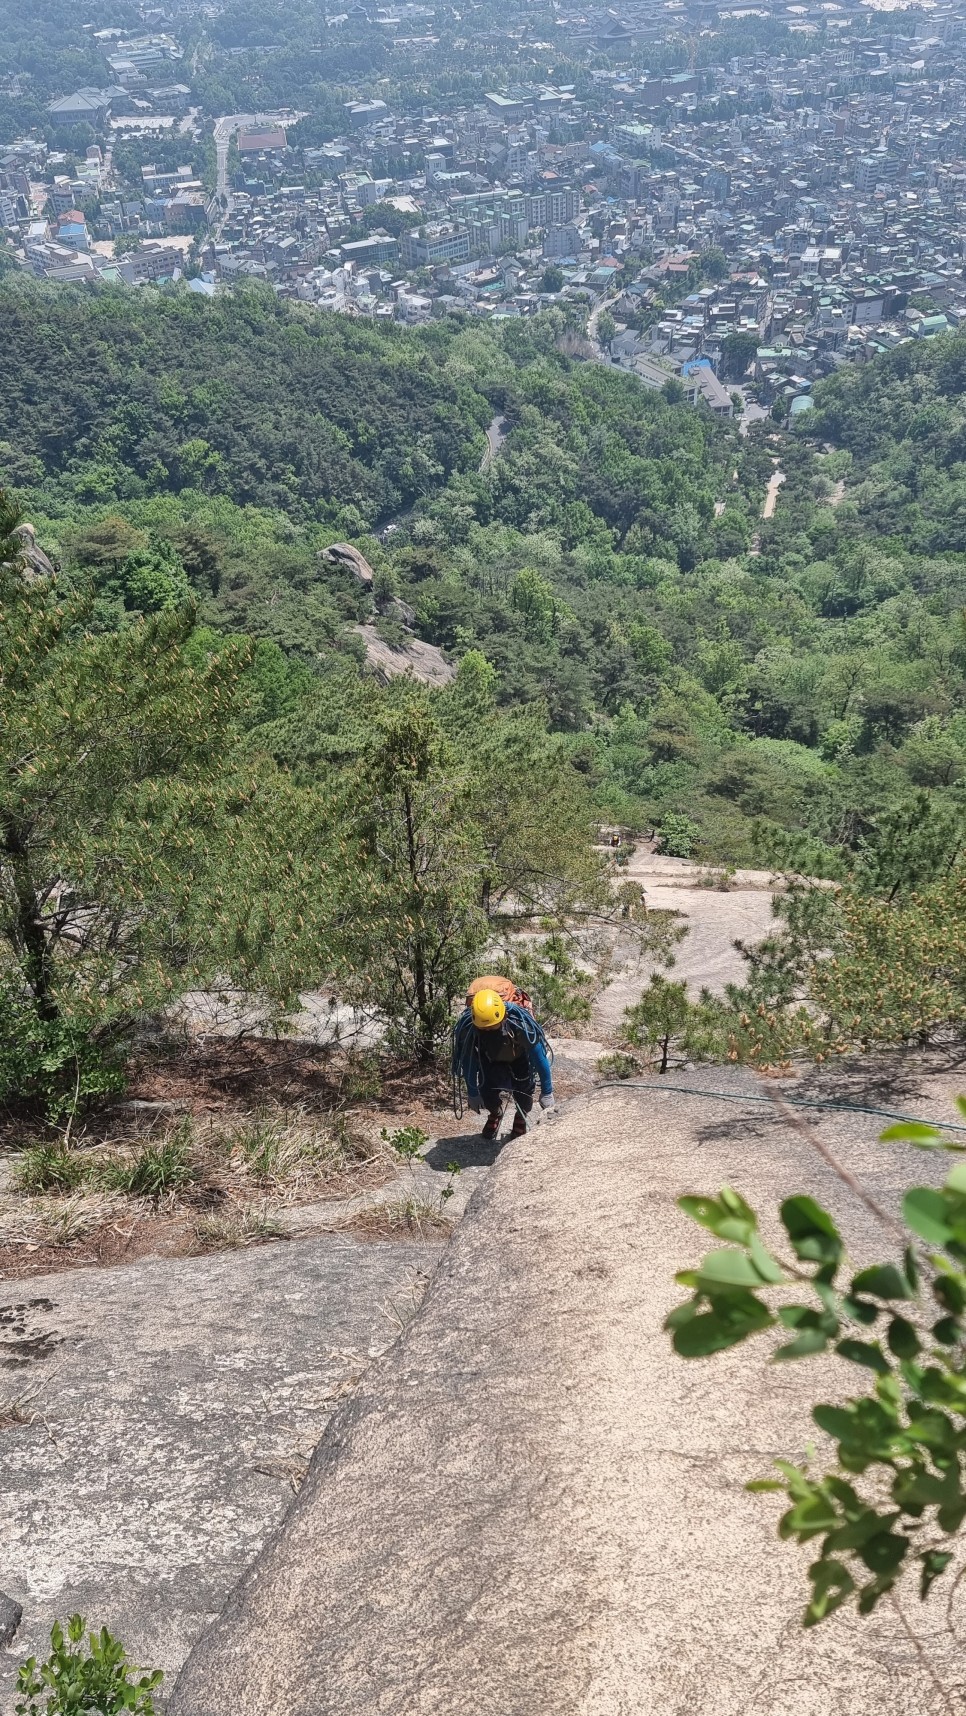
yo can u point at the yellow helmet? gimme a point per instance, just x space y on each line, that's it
488 1009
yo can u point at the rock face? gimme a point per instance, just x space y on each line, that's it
531 1507
424 661
343 554
178 1401
34 560
11 1615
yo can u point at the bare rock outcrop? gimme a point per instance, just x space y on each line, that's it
424 661
349 559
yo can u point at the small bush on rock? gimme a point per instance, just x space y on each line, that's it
79 1676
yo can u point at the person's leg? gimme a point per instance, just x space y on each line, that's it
492 1100
523 1089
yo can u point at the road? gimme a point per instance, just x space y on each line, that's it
225 129
595 316
496 434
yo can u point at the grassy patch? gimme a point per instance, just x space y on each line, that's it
619 1066
411 1217
156 1171
50 1168
236 1229
288 1152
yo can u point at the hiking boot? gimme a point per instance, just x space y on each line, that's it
519 1126
492 1127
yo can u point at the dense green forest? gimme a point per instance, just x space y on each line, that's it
632 640
710 672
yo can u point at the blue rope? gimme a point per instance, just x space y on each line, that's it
793 1101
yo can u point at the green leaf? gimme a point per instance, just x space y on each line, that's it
716 1330
860 1310
870 1594
767 1266
811 1230
809 1517
868 1353
884 1553
902 1338
729 1268
947 1331
882 1281
727 1216
913 1132
934 1562
857 1533
837 1421
683 1313
832 1583
927 1213
956 1180
808 1342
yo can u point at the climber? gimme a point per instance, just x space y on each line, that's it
500 1051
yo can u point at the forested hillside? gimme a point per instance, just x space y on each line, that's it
705 670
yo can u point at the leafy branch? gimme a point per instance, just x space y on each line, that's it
895 1500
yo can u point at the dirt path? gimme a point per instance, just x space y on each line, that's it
496 434
771 494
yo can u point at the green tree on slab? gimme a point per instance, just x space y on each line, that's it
666 1020
138 858
413 926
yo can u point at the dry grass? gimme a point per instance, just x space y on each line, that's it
292 1468
293 1153
236 1229
411 1217
16 1411
50 1220
187 1187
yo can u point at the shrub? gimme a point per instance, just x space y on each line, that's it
78 1677
236 1230
48 1064
407 1141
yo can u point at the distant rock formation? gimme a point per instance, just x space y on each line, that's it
35 561
424 661
343 554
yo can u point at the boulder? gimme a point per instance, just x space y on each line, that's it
343 554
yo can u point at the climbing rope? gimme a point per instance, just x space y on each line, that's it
792 1101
